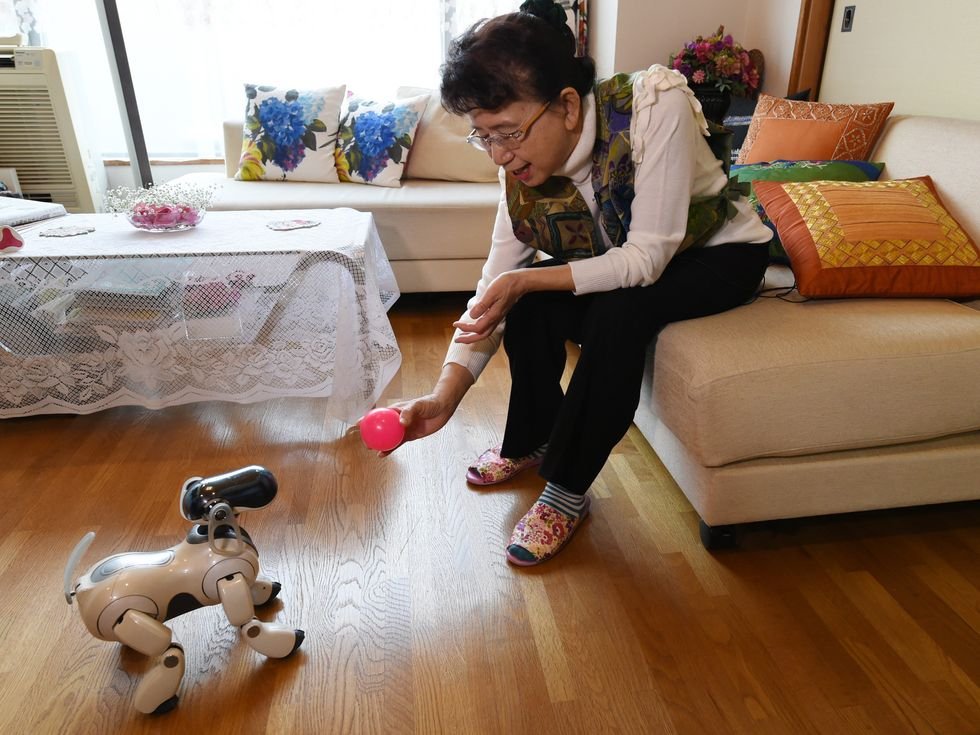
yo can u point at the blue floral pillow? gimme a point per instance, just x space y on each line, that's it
375 137
290 134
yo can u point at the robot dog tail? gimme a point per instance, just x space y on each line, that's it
77 553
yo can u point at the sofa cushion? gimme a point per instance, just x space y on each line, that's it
441 151
775 378
739 118
798 171
375 138
787 129
421 220
289 134
885 238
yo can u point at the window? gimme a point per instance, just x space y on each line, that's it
190 58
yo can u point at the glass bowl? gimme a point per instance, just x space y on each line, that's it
164 217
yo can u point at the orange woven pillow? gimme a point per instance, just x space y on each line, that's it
876 238
795 131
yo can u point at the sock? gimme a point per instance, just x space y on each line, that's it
539 452
560 499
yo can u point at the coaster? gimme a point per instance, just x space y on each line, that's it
67 231
292 224
10 239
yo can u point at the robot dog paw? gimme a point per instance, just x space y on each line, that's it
166 706
271 639
264 591
300 637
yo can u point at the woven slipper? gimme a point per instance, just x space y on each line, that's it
542 533
490 468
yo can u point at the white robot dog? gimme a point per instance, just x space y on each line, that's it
127 597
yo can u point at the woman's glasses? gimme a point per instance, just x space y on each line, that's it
505 141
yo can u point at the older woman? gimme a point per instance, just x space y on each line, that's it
615 182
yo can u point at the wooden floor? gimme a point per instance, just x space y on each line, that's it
415 623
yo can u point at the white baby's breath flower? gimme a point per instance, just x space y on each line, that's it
123 199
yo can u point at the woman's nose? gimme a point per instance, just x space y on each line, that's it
500 155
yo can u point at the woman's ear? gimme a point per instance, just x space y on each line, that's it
571 106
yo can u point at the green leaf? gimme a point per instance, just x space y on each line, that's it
395 153
354 158
267 149
405 141
292 95
265 88
309 140
317 126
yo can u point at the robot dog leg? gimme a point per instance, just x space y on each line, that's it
269 639
157 692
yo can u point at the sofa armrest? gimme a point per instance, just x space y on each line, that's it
233 145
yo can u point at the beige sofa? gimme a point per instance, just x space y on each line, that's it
780 410
435 227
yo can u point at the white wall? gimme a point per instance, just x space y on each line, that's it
771 26
626 35
649 31
922 55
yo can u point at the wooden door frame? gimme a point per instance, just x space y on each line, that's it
812 36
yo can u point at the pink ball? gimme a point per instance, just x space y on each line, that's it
381 430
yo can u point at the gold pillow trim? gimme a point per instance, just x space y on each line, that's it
850 242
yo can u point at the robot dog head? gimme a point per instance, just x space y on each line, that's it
248 488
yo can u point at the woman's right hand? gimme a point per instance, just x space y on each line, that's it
427 414
423 415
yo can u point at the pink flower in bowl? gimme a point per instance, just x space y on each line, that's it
165 217
164 208
189 215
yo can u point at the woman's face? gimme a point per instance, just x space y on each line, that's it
545 145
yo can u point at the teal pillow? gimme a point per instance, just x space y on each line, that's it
798 171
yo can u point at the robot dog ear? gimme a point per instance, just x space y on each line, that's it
188 498
248 488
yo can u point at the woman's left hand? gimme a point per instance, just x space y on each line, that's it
486 314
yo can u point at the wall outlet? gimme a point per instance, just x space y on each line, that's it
848 23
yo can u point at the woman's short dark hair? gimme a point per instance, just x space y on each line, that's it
513 57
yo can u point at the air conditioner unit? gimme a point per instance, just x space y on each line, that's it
37 137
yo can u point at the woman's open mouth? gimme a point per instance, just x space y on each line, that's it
522 173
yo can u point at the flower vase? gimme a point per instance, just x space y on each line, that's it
714 102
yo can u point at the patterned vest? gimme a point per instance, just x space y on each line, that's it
555 218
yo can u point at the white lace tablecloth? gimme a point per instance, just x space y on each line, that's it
230 310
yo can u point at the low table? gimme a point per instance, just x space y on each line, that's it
230 310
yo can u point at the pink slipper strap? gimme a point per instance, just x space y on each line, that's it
491 468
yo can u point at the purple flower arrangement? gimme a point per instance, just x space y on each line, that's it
717 61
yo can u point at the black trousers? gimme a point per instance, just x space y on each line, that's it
613 328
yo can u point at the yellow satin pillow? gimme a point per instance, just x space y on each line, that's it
876 238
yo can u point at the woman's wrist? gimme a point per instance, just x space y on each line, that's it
555 278
454 381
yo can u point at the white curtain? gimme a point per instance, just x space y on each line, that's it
191 58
